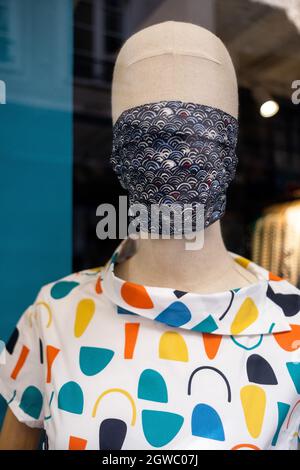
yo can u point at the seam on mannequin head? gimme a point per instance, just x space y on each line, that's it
171 52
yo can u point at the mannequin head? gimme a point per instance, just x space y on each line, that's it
174 108
174 60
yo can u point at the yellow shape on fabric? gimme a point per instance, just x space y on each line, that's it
242 261
253 400
246 315
172 346
84 313
119 390
48 310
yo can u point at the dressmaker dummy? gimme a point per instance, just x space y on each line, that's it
178 61
168 348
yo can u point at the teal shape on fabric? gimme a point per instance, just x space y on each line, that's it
13 397
152 386
207 325
160 427
248 348
70 398
294 371
62 289
176 314
236 289
32 401
114 258
283 409
123 311
207 423
92 360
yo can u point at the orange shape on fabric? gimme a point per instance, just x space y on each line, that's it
22 358
289 340
136 295
211 344
242 446
273 277
131 334
51 353
77 443
98 287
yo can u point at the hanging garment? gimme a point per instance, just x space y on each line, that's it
276 240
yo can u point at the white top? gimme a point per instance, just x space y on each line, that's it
101 363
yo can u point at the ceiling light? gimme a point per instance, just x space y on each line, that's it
268 107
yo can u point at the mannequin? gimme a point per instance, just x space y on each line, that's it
108 358
181 61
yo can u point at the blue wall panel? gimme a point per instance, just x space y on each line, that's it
35 151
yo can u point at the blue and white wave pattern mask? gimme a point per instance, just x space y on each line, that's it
175 152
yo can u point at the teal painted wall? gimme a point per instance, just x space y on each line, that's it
35 151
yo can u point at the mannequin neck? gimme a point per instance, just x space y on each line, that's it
167 263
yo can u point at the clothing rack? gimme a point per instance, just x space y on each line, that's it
275 240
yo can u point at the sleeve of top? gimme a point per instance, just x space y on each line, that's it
21 369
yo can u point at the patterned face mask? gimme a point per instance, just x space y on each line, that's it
175 152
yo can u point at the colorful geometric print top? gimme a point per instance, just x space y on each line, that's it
102 363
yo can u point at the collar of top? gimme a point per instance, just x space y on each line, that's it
259 308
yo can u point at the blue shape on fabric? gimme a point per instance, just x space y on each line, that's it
176 314
2 346
207 423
